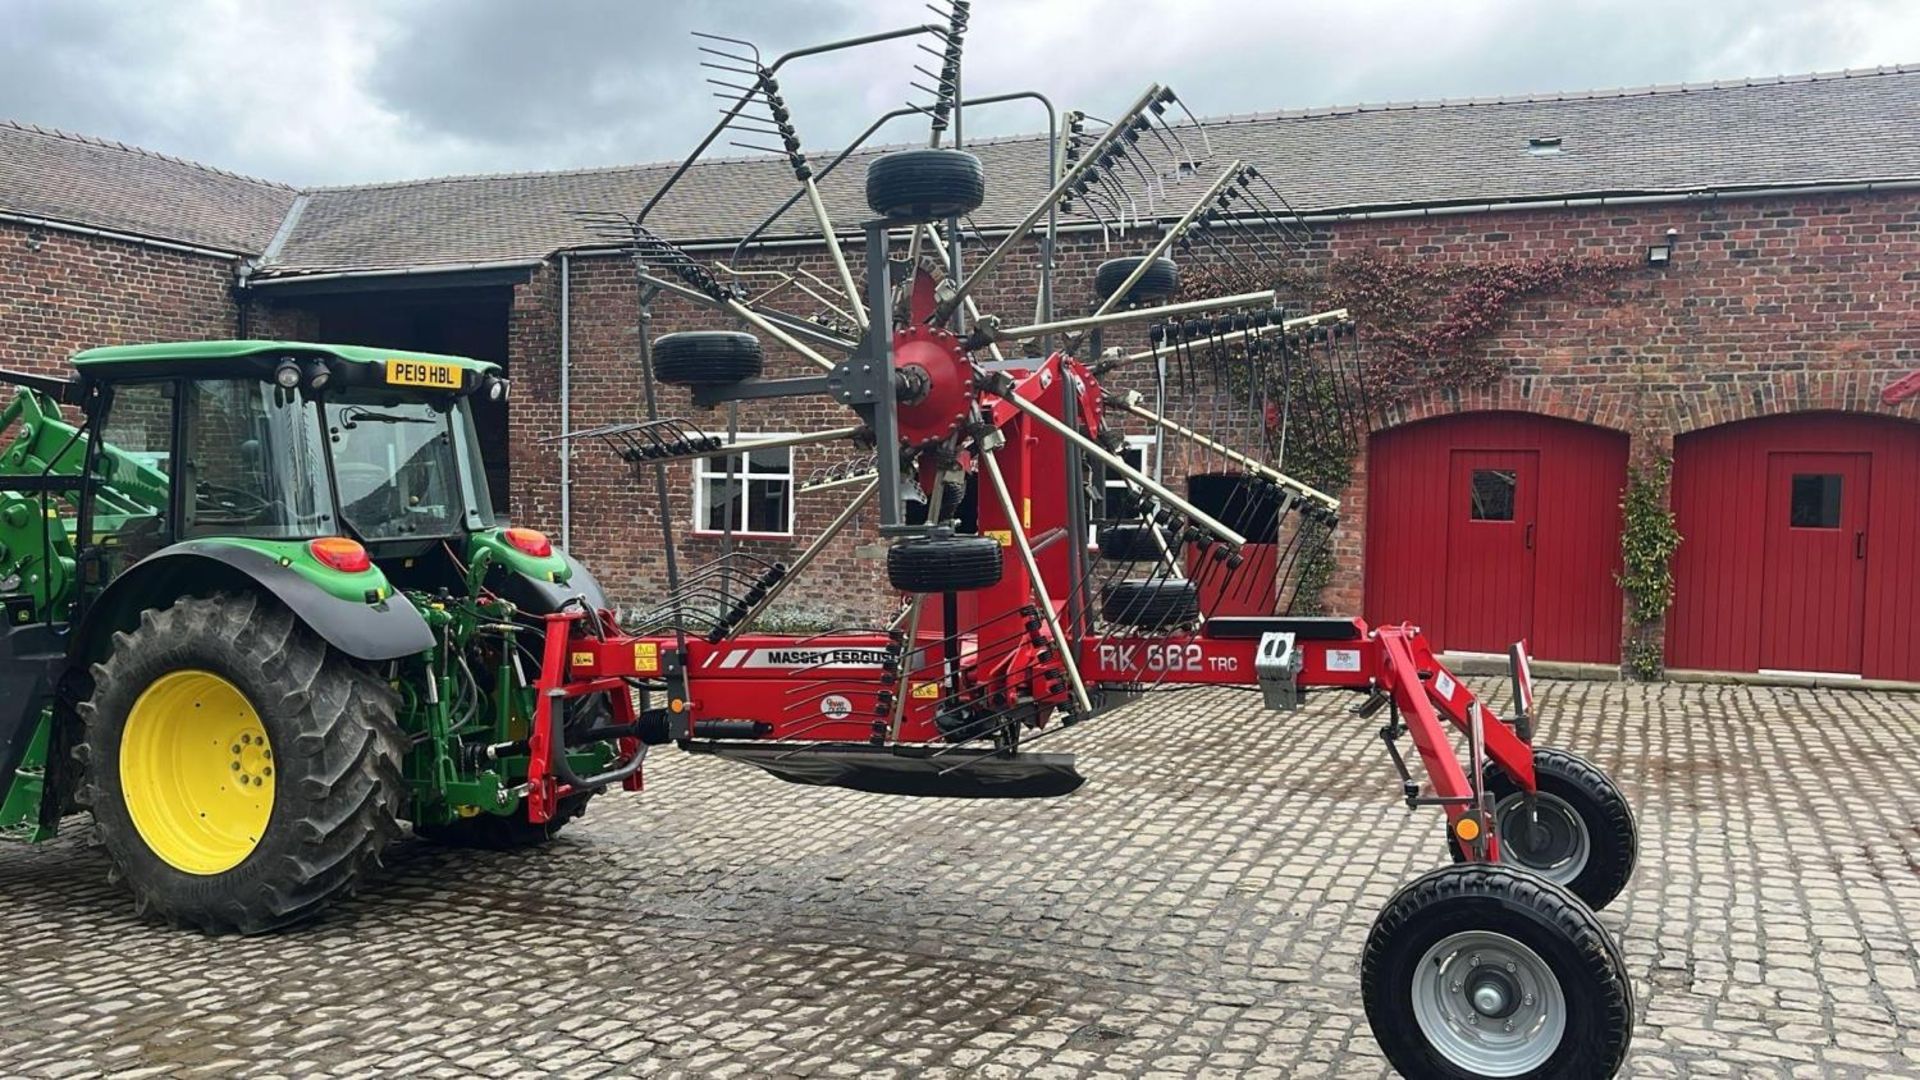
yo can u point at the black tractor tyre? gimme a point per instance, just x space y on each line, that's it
908 187
492 832
937 564
707 358
1150 603
332 751
1558 930
1134 541
1575 794
1160 282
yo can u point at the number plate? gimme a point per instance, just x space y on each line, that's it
423 373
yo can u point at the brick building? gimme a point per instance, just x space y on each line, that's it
1762 354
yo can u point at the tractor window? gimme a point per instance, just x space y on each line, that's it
135 472
253 463
399 466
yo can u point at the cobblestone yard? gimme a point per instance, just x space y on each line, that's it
1197 909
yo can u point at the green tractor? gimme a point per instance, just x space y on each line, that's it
259 612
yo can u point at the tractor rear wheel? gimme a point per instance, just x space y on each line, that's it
240 773
492 832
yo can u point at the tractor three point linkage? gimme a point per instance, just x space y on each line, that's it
259 610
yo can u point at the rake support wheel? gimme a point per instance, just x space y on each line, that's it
1582 834
1484 970
1160 282
1150 603
909 187
707 358
1134 542
938 564
241 773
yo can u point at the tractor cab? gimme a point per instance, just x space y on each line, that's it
280 440
253 443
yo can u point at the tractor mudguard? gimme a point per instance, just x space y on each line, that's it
385 629
540 597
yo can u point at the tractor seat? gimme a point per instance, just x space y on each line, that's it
1303 628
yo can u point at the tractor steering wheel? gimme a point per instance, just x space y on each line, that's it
228 499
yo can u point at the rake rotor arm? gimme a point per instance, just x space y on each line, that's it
1135 476
733 113
1115 318
787 278
852 147
783 441
797 327
833 249
1337 315
771 330
1130 401
1172 234
1088 160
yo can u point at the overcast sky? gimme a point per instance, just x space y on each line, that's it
352 91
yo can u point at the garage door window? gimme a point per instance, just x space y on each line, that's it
1816 501
1492 495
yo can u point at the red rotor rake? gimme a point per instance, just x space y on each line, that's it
1046 573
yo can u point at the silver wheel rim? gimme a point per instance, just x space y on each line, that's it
1552 841
1488 1004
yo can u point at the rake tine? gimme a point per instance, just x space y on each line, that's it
748 45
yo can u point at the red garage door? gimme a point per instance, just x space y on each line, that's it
1801 546
1487 528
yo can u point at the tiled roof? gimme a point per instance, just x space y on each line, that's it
1809 129
109 185
1815 129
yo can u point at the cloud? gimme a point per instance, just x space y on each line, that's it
362 90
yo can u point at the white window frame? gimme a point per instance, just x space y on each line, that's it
1113 481
715 468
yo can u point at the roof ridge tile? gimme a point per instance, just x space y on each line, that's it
103 143
1546 97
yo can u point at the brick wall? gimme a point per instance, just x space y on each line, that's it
1769 305
61 292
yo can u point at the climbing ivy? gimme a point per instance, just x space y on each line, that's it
1425 323
1648 540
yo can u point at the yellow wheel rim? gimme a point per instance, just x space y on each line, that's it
196 771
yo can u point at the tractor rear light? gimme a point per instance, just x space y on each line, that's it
318 375
529 542
287 374
340 553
